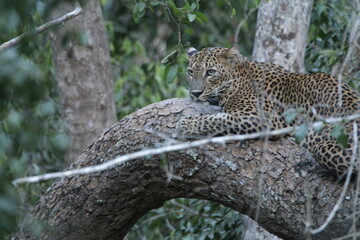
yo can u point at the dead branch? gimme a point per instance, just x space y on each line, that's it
15 41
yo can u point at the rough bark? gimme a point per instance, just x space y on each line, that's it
281 32
252 230
107 204
84 78
280 38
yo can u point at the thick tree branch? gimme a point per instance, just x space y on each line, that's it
105 205
176 147
15 41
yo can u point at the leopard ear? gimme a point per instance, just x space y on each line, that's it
190 52
233 51
232 54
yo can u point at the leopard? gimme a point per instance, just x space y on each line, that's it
255 96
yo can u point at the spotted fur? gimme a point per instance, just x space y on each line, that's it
253 97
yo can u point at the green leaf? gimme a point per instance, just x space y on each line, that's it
5 143
14 119
172 73
60 141
344 140
202 18
339 133
7 205
189 31
193 6
290 115
174 9
141 6
154 3
256 3
170 57
327 52
137 13
185 9
191 17
45 109
301 133
233 13
318 126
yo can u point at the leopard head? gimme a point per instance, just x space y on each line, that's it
210 71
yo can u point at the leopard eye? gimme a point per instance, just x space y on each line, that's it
190 72
210 72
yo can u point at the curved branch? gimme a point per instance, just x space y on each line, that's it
106 205
15 41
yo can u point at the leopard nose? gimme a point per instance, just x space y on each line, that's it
196 93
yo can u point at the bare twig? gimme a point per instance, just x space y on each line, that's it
241 23
356 200
345 187
15 41
308 220
348 236
354 35
171 148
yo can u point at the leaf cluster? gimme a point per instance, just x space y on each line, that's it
189 219
32 138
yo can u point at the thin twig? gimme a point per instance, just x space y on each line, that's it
15 41
356 200
241 23
172 148
345 187
348 236
263 121
307 206
352 44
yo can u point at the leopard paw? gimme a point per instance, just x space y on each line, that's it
183 127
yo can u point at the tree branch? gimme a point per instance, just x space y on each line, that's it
176 147
105 205
241 23
15 41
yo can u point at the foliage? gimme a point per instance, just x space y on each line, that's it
147 39
189 219
140 85
328 34
140 74
31 130
328 44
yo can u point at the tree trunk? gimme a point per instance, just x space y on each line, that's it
84 78
280 38
281 32
105 205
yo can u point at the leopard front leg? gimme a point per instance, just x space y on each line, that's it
217 124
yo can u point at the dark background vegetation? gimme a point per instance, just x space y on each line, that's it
147 43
